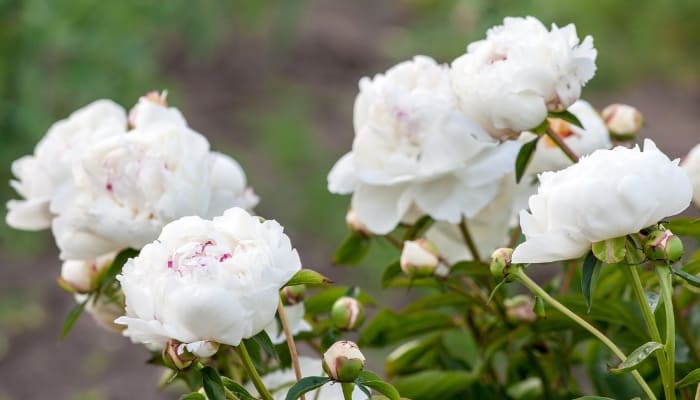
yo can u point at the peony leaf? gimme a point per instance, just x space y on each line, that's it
470 268
691 279
611 251
110 274
388 326
392 271
567 116
213 387
73 316
524 156
438 300
322 301
193 396
690 379
684 226
366 391
418 228
353 249
435 384
637 357
588 276
416 355
308 277
264 341
235 388
305 385
370 379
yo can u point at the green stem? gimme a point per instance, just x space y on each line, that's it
468 240
290 342
563 146
347 390
665 282
537 290
253 373
649 319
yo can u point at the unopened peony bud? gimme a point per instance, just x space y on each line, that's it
343 361
501 264
663 245
354 223
81 276
419 258
347 313
175 355
293 294
520 308
622 120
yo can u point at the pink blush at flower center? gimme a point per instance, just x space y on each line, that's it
197 256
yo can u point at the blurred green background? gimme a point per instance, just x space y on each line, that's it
272 84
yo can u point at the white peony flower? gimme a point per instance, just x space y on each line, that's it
508 81
207 280
82 275
691 165
609 194
280 381
128 187
414 149
549 157
39 177
297 324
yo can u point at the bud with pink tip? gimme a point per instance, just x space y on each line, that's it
419 258
291 295
347 313
343 361
622 120
81 276
662 245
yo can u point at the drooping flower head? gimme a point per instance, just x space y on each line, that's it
207 280
508 81
609 194
415 150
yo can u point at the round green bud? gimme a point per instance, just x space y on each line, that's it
419 258
343 361
347 313
501 264
663 245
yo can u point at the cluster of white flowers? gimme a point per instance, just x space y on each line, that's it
429 137
430 140
104 181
